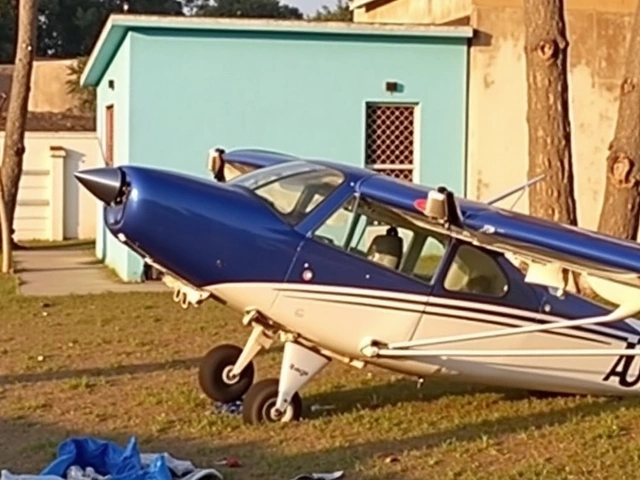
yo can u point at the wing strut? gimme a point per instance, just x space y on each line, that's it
373 348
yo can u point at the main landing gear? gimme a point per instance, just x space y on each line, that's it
227 373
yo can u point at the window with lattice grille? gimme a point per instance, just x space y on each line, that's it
390 139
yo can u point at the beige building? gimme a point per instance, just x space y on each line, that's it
51 205
48 85
497 128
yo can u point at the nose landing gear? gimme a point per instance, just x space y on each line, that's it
227 373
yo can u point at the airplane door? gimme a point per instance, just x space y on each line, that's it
336 296
477 292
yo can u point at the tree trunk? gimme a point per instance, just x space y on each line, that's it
7 263
548 111
621 204
14 148
550 154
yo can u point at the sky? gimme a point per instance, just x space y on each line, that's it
309 6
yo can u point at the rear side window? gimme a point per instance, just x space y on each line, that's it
474 271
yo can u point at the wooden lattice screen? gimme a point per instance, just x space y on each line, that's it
390 140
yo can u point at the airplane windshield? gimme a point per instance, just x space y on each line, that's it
293 189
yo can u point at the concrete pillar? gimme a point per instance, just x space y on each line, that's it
58 156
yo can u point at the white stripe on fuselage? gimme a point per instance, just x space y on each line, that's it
244 295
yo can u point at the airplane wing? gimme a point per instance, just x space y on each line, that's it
550 249
611 265
241 161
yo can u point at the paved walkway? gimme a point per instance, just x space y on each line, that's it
66 271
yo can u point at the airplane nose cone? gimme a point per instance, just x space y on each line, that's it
103 183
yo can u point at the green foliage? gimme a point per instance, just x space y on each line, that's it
69 28
340 13
7 30
85 96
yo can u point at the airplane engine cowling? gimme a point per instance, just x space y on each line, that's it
204 232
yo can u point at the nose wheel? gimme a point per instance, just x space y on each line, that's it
216 377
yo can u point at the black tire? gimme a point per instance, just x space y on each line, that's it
260 400
212 370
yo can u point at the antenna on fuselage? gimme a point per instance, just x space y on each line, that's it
522 187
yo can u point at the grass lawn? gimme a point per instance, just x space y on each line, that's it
120 365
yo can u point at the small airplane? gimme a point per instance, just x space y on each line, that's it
348 264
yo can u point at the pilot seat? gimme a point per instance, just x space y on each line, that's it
387 249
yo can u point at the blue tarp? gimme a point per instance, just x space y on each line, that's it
107 458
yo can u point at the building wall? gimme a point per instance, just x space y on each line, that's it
48 85
108 248
51 206
497 128
412 11
304 95
498 132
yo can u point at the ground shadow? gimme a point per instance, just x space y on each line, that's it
138 369
389 394
350 456
37 442
105 372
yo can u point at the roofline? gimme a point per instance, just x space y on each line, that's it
118 26
626 6
88 77
353 4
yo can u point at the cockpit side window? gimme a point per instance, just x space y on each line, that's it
292 189
476 272
373 231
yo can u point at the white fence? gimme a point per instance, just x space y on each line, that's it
51 204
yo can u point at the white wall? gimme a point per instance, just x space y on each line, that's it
51 204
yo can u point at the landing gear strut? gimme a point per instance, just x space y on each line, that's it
227 373
278 400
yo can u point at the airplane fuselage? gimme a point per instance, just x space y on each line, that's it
304 259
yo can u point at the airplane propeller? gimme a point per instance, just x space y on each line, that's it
104 183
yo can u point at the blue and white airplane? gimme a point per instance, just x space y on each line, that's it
343 263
